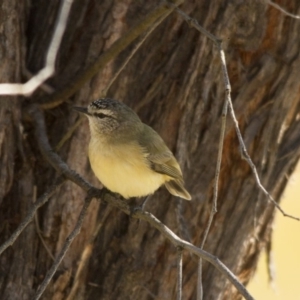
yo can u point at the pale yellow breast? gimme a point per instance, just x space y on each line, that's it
124 169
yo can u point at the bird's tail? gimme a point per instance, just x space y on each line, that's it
176 188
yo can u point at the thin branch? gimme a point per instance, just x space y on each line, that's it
179 273
64 249
159 13
110 198
282 10
245 154
37 226
41 201
39 232
193 22
32 84
215 197
199 281
247 157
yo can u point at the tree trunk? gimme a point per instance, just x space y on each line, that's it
175 83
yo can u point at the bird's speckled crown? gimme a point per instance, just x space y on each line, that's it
113 107
104 103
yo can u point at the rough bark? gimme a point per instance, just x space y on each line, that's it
175 84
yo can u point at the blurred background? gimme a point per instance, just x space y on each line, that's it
286 251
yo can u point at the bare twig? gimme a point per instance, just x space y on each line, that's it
247 157
38 230
215 197
64 249
37 225
32 84
282 10
159 13
193 22
245 154
41 201
179 273
217 173
199 281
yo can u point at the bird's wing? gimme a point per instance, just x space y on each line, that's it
168 167
158 154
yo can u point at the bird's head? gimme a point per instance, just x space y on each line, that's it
108 116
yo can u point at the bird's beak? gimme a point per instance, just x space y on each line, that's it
81 110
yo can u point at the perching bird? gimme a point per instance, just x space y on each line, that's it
126 155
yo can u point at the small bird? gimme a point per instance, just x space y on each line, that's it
126 155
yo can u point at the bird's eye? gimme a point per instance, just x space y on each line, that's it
100 115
